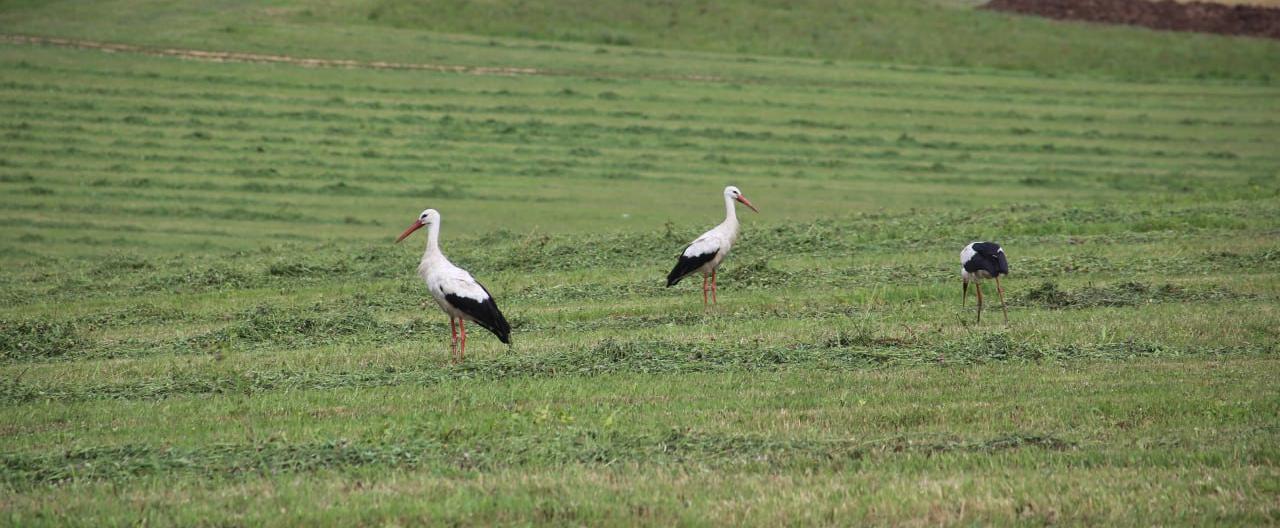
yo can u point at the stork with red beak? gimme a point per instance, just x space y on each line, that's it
706 253
459 295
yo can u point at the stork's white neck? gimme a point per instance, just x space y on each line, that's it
730 212
433 242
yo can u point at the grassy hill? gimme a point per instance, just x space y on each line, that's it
939 33
204 319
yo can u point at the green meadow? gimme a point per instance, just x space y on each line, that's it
204 320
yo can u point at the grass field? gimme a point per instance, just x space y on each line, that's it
652 37
204 320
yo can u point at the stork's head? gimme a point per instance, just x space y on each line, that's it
732 193
428 217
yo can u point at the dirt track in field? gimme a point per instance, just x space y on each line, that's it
232 56
1243 20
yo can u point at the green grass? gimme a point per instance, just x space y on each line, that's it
730 37
203 319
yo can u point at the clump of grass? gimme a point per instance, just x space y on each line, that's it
444 449
615 39
988 347
16 178
202 277
318 324
126 462
343 188
259 187
442 189
134 313
1048 294
256 173
607 356
757 273
35 339
121 264
862 335
305 268
1002 346
1129 293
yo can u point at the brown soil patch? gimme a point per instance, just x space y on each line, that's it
1246 20
232 56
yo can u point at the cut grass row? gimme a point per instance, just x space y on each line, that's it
805 431
606 356
810 403
611 137
444 91
581 94
396 129
945 162
1220 238
933 150
634 494
947 37
577 97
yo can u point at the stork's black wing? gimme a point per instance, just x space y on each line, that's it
686 265
484 312
989 257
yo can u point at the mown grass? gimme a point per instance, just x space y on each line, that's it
806 431
658 39
203 318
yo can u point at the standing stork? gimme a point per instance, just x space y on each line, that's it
459 294
983 260
707 252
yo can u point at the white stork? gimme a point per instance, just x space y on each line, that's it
707 252
983 260
459 294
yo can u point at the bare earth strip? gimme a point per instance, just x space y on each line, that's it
230 56
1203 17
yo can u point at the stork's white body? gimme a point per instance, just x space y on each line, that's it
443 278
456 292
706 253
719 239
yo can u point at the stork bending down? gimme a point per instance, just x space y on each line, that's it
983 260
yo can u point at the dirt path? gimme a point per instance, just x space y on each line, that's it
1243 20
232 56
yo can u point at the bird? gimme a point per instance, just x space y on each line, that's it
707 252
459 295
983 260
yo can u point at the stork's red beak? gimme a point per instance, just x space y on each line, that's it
747 203
416 225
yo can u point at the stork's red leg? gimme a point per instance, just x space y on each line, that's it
462 354
704 291
453 344
713 287
964 295
1000 290
978 286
